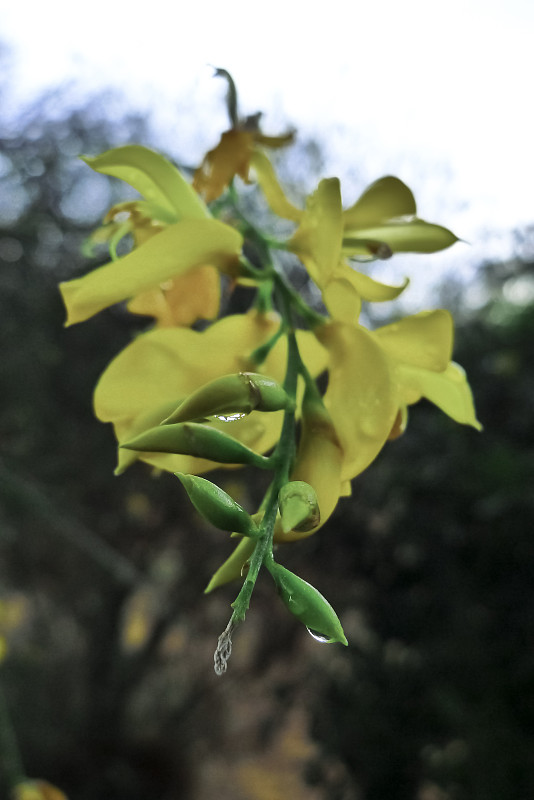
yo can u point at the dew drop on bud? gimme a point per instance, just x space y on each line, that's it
230 417
319 637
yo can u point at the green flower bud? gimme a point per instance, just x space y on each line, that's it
231 396
195 439
233 566
216 506
308 605
299 508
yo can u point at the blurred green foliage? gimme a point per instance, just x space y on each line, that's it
108 676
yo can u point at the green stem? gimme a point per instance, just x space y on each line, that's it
281 460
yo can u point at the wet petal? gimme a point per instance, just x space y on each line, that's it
152 176
174 251
361 396
423 340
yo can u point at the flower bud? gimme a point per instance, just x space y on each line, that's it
299 509
217 506
318 463
233 566
308 605
231 395
195 439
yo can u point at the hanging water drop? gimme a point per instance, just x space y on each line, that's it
319 637
230 417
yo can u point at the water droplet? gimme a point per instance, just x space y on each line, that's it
230 417
319 637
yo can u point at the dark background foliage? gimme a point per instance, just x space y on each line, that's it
108 678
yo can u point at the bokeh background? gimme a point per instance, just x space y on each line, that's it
107 680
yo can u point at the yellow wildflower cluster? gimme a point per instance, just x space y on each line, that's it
172 394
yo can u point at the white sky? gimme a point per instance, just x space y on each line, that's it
438 93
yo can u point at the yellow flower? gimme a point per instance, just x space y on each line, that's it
152 375
174 235
232 154
381 222
373 376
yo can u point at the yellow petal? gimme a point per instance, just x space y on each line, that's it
449 390
385 198
317 241
230 157
342 300
370 290
361 395
274 141
174 251
319 463
152 176
424 340
183 301
274 194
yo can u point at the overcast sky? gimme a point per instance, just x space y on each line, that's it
438 93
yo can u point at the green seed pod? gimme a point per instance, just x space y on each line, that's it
231 396
216 506
308 605
195 439
299 508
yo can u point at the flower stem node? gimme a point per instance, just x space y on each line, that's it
231 397
196 439
307 604
299 507
217 506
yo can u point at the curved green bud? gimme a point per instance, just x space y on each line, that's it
299 507
231 396
217 506
232 568
308 605
195 439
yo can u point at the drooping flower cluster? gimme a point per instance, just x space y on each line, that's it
187 400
